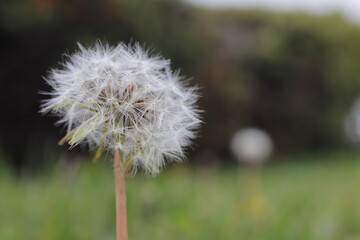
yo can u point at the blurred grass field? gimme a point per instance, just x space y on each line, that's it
304 199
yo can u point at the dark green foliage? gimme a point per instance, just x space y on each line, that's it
290 74
294 75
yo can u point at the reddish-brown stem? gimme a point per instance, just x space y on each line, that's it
120 196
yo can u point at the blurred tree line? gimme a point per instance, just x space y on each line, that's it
293 75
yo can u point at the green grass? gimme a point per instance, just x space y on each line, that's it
304 200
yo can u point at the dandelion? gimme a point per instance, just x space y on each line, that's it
251 145
352 123
123 100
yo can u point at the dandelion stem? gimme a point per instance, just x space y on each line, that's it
120 196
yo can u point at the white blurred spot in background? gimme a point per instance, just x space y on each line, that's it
352 123
252 145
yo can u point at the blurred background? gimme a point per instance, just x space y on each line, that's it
289 69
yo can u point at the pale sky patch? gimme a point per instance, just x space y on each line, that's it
349 8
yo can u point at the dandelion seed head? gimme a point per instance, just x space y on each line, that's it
121 98
252 145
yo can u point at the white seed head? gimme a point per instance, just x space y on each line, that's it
252 145
123 99
352 123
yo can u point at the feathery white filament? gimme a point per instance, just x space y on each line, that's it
122 98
